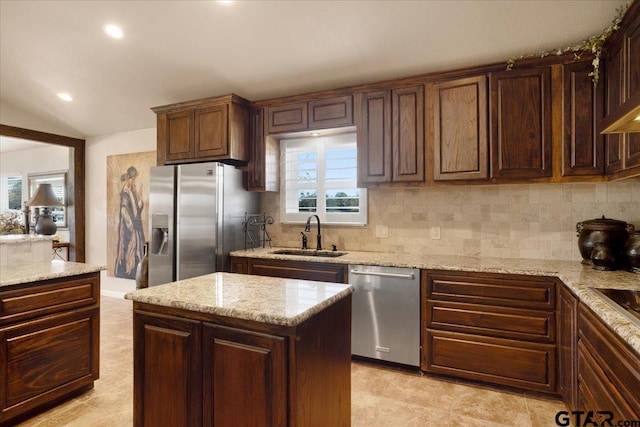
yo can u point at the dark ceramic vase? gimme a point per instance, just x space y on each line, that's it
632 252
609 232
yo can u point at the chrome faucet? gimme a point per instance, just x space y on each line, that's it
307 228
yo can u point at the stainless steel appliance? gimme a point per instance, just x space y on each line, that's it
385 321
196 214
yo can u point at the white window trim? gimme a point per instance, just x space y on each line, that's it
342 219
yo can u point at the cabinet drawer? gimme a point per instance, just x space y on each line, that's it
59 295
298 270
288 118
520 364
515 323
334 112
618 363
499 290
596 393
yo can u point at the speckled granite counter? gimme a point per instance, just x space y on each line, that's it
580 279
271 300
15 275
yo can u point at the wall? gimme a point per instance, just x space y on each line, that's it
506 221
97 150
11 115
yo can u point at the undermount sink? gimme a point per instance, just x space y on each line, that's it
309 252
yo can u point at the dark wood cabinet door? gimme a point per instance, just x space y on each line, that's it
374 138
567 351
582 144
460 126
245 378
43 360
256 175
407 108
332 112
211 131
632 45
613 98
167 371
238 265
323 272
521 123
179 135
288 118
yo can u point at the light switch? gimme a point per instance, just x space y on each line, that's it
382 231
434 232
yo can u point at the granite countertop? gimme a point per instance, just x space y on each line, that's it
23 238
15 275
272 300
579 278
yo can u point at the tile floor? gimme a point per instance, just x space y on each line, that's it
381 396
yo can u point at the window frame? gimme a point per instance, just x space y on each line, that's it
323 144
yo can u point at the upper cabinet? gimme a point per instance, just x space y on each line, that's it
263 168
204 130
311 115
390 135
457 112
583 146
521 124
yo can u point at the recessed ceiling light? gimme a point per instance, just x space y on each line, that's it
65 96
113 31
225 1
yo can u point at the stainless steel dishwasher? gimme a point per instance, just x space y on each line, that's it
385 321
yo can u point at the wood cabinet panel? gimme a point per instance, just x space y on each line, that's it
619 364
583 146
460 129
211 131
501 322
521 123
298 270
167 371
180 135
408 134
330 113
507 362
567 314
374 138
500 290
264 155
243 363
632 47
288 118
613 99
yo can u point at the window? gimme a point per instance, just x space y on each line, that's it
58 181
319 176
14 193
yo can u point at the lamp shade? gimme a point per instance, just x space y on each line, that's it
44 197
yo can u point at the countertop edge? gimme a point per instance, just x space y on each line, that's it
37 272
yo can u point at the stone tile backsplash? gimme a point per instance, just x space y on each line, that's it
536 221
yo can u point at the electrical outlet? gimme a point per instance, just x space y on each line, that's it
382 231
434 232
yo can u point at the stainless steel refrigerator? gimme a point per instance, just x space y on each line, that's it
196 213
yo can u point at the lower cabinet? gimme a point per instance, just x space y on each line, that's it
608 371
567 346
49 343
323 272
193 369
496 328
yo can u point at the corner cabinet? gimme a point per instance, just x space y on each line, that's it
458 114
521 124
212 129
390 136
196 369
49 343
495 328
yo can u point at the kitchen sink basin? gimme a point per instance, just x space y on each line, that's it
309 252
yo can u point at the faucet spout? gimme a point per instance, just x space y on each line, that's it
307 228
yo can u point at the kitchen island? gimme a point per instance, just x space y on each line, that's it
49 333
231 349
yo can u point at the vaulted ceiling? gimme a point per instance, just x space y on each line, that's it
181 50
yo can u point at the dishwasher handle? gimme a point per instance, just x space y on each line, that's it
409 276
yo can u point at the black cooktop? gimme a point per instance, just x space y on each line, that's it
626 299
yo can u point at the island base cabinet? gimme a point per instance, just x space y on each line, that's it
195 369
244 373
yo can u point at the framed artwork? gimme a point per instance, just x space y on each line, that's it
128 178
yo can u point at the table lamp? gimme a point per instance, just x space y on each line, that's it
45 198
